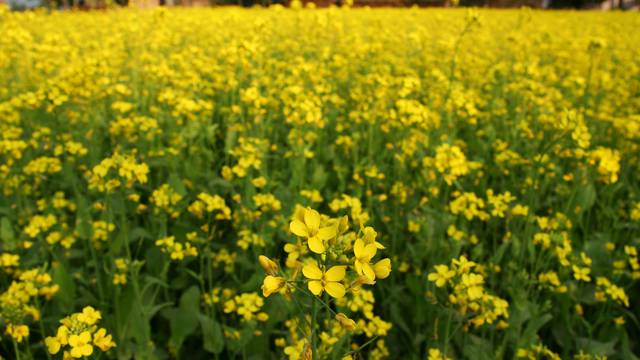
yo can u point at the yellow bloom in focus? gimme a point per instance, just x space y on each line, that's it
54 343
268 265
307 224
328 281
81 344
473 283
369 237
272 284
363 254
382 268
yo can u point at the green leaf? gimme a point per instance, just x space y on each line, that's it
140 233
585 197
595 347
7 235
626 348
184 318
253 283
478 348
211 334
533 326
67 293
398 320
176 184
131 321
319 177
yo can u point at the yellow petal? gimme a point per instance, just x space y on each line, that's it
298 228
269 266
312 271
272 284
316 245
87 350
85 336
76 352
335 289
336 273
368 272
358 267
312 219
53 345
369 251
345 322
382 268
369 235
315 287
74 340
328 232
358 248
299 213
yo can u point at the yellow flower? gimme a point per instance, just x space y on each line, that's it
18 332
435 354
268 265
363 254
307 224
81 344
102 340
272 284
382 268
54 343
119 279
369 237
345 322
581 274
473 283
89 315
329 281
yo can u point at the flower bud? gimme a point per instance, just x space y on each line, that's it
345 322
268 265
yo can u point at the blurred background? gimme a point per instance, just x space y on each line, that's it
539 4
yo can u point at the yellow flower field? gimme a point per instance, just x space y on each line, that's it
298 183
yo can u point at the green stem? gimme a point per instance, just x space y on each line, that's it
15 349
314 311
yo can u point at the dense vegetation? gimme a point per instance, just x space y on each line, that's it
338 183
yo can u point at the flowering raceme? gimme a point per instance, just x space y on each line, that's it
468 293
78 335
325 236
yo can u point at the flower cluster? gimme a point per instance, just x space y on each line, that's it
339 263
468 293
116 171
19 303
177 250
79 334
